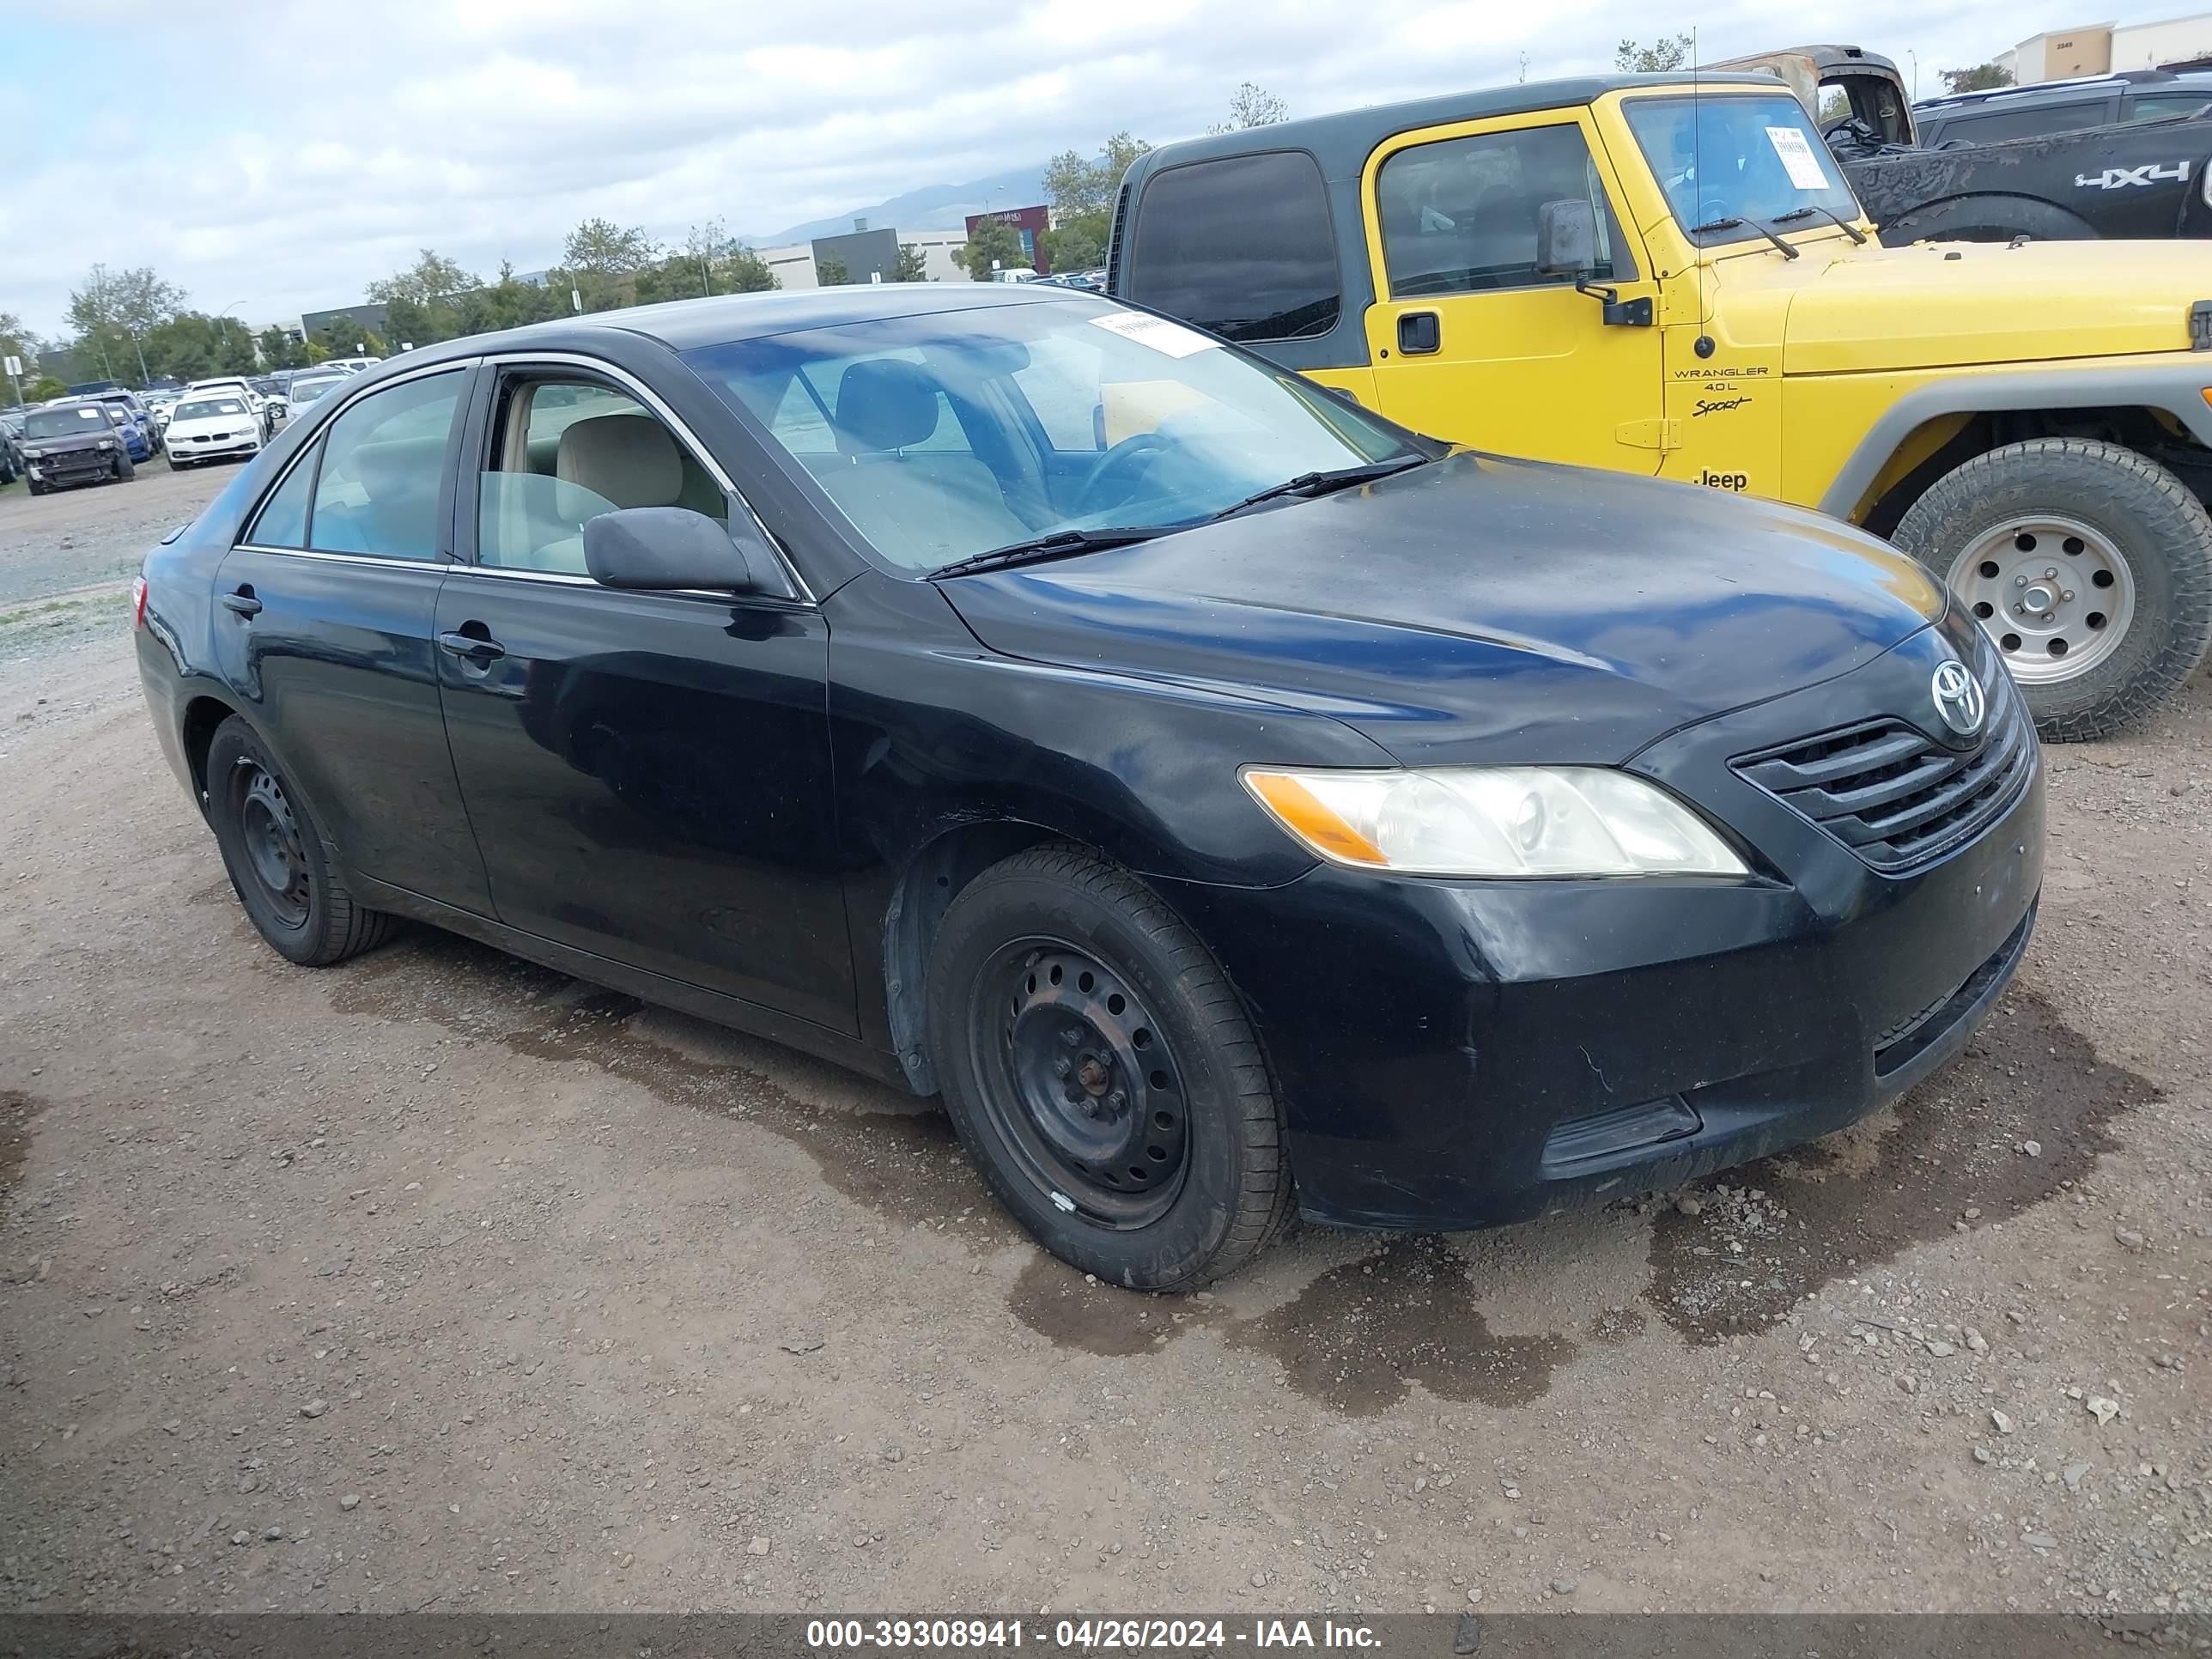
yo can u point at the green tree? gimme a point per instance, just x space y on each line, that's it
831 273
710 261
16 341
280 350
112 310
1075 187
604 259
508 301
192 344
1981 78
909 266
1667 53
41 389
1079 245
423 301
344 337
1252 105
993 245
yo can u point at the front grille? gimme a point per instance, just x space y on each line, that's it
1897 797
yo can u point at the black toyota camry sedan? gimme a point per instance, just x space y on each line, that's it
1225 799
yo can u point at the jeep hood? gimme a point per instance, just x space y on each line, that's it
1478 608
1948 304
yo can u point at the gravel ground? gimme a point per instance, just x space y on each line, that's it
439 1280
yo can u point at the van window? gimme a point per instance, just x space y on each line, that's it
1460 216
1241 245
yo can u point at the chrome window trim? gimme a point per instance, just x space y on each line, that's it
504 573
437 562
684 435
321 424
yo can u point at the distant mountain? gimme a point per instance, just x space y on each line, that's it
934 207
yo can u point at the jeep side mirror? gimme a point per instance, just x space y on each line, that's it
1566 238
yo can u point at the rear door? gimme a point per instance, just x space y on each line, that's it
324 624
1469 341
648 773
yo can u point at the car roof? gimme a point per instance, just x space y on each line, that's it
1342 142
686 325
2077 87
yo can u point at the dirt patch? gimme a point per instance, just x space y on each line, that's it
16 1111
899 1156
1953 1155
1075 1312
1360 1335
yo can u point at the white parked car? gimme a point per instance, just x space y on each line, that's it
310 384
230 385
206 426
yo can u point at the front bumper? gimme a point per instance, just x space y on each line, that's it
1460 1053
88 467
189 449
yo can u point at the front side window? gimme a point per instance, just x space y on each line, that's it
1242 246
383 462
1735 160
563 452
939 437
1460 216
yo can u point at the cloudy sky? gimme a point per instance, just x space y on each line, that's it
271 156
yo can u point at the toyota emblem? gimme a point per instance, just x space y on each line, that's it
1958 698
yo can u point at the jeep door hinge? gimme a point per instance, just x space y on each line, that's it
2200 325
1660 434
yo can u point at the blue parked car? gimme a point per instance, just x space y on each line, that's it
134 423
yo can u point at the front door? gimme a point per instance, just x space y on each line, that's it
1469 341
325 620
648 773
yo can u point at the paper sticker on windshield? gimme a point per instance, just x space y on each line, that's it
1797 158
1157 332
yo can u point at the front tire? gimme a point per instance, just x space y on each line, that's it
1101 1071
124 471
2089 565
277 860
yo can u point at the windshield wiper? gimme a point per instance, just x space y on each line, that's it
1058 544
1734 223
1835 219
1310 484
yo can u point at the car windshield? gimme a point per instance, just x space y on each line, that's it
208 408
943 436
305 391
65 422
1752 158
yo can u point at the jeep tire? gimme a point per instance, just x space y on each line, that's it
2090 565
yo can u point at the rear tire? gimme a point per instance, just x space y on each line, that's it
278 862
1101 1071
2132 599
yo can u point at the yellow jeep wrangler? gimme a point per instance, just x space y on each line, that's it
1673 277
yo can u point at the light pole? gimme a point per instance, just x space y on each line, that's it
226 320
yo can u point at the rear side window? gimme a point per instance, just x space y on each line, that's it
1459 216
1996 126
384 460
2158 106
284 518
1242 246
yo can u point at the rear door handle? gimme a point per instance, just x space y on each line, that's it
479 650
242 602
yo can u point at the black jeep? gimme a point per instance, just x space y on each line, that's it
2142 178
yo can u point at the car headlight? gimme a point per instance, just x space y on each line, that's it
1494 820
34 454
107 443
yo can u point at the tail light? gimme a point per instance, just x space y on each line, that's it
137 602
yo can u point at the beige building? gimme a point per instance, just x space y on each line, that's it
2105 48
794 265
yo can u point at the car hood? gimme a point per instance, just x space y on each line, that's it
1478 608
1946 304
74 442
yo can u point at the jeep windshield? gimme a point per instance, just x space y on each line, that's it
1733 164
1040 428
83 421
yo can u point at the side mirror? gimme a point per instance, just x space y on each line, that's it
664 548
1566 238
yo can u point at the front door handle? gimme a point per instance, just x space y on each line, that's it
242 602
478 648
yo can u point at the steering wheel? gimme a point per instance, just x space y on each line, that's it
1714 207
1124 464
1854 131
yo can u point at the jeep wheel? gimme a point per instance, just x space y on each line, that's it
2089 565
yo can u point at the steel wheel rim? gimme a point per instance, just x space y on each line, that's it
2055 595
271 835
1081 1084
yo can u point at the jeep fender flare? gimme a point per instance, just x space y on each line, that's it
2176 389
